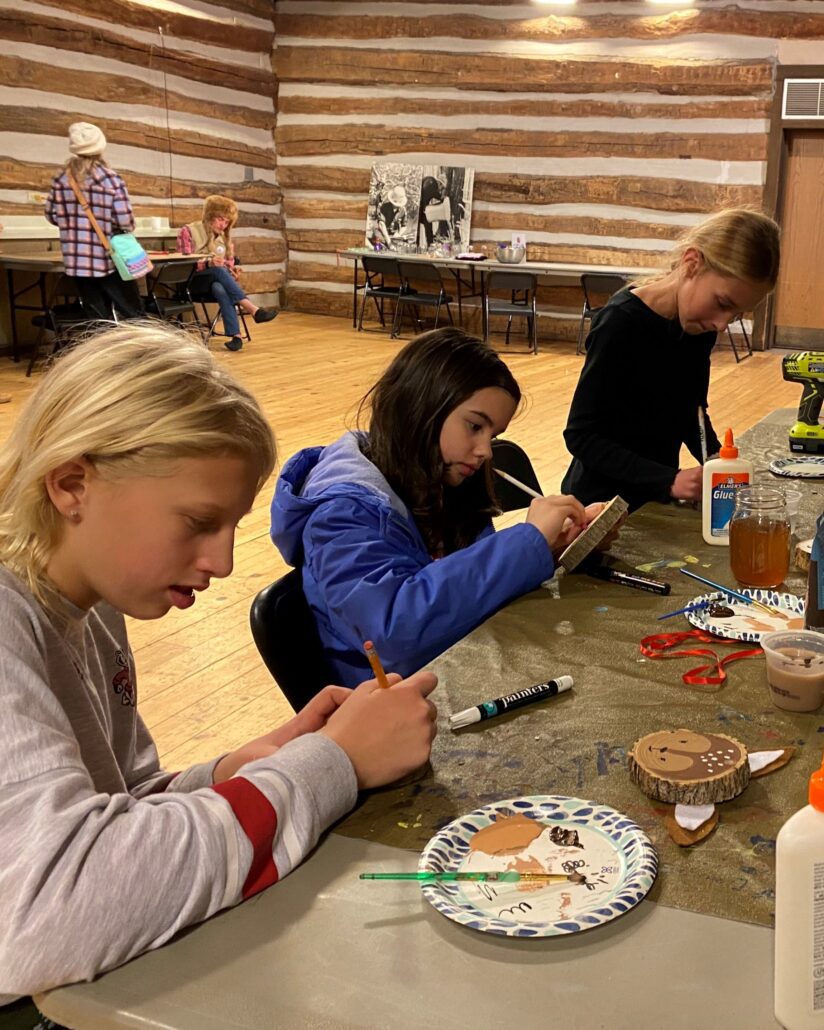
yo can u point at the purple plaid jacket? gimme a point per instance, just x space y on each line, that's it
83 253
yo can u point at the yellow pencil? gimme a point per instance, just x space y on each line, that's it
375 662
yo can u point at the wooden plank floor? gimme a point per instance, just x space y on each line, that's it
201 685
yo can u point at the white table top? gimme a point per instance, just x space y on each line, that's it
541 267
326 950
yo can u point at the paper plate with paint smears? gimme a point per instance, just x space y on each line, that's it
748 622
540 834
804 466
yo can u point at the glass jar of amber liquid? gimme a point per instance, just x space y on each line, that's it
760 537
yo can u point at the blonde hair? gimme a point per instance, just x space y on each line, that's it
133 401
81 167
738 243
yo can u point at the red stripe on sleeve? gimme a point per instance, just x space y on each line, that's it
259 821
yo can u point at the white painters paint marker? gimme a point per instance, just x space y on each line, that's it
489 709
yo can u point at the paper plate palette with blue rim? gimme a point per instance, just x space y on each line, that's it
614 859
800 467
746 621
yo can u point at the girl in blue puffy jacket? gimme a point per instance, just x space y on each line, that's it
392 528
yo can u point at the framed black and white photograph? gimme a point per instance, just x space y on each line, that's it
419 207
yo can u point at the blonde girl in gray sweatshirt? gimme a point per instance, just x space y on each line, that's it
121 487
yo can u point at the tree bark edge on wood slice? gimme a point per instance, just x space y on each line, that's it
802 555
689 768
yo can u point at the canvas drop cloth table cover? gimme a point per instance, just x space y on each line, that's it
576 744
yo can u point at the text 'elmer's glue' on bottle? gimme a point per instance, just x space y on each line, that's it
722 477
799 914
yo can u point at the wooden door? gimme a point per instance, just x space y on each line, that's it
799 295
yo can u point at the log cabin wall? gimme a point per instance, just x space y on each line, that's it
106 61
601 130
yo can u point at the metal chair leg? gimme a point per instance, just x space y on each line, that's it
732 344
242 316
579 348
396 320
360 316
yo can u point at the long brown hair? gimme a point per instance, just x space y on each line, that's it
427 380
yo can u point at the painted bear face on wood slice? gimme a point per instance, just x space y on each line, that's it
685 755
689 768
696 770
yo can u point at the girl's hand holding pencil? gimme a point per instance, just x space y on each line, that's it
386 733
384 740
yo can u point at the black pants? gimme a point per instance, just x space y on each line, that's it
99 293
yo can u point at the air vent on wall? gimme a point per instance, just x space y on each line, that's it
804 98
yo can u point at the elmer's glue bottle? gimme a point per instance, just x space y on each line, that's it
799 915
722 476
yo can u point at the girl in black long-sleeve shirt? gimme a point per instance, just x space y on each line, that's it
647 367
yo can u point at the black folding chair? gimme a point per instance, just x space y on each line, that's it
284 630
596 284
168 292
64 317
200 289
420 272
520 297
376 270
508 457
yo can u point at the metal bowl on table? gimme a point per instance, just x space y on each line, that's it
510 255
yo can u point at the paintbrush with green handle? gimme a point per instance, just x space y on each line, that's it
491 877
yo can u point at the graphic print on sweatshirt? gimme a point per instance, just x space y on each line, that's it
122 680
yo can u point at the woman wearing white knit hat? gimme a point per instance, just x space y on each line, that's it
86 259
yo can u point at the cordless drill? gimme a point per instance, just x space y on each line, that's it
807 368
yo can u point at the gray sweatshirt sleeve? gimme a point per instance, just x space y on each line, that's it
89 879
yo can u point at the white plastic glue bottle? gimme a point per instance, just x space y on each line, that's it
799 915
722 476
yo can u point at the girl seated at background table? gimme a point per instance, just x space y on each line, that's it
212 236
121 487
392 528
647 366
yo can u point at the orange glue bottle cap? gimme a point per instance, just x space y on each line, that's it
817 789
729 450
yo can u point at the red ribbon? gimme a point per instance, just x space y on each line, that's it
655 645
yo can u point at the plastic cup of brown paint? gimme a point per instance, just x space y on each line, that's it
795 669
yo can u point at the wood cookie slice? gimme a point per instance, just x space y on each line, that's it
689 768
803 554
605 521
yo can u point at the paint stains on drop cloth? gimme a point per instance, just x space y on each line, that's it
411 826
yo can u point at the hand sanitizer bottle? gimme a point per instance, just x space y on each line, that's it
799 915
722 476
